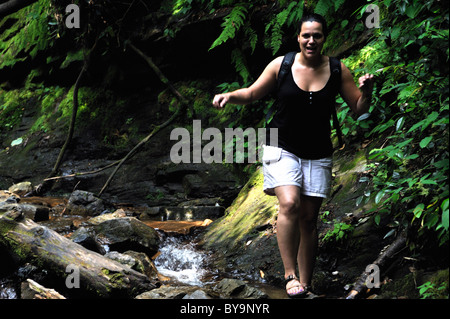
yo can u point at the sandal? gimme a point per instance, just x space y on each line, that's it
303 289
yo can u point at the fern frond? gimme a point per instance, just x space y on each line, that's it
278 23
296 13
240 64
322 7
231 25
338 4
251 36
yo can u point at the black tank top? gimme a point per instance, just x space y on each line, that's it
303 118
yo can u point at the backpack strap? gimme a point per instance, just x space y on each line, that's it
286 65
335 67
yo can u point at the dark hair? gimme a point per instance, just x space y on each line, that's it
317 18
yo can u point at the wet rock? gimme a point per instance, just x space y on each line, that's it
144 265
150 213
167 292
108 216
198 294
234 288
32 290
173 228
4 195
136 261
121 258
36 213
87 238
85 203
8 198
128 233
21 188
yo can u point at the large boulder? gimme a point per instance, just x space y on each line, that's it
85 204
128 233
234 288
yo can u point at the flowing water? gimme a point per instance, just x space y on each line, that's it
180 260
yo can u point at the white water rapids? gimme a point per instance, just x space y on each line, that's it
181 261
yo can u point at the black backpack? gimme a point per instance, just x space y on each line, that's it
335 63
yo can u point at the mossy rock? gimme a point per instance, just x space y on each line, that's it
252 209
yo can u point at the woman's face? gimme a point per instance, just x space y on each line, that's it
311 38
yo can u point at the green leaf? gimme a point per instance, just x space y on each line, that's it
412 10
418 210
445 211
17 141
322 7
424 143
231 25
377 219
338 4
425 122
400 123
379 196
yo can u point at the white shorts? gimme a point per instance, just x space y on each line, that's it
282 168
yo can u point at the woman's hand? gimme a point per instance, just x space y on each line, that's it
220 100
366 84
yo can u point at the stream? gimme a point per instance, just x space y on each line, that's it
180 258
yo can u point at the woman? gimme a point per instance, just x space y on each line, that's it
298 172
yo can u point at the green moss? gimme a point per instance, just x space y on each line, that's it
11 108
115 278
20 251
29 34
249 210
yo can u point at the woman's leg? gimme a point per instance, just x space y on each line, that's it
288 232
307 223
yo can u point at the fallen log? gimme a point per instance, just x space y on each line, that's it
81 272
383 259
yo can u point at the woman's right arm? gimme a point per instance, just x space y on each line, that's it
266 82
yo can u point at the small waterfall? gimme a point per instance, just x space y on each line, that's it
180 260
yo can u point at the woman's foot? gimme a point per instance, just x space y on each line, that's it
294 288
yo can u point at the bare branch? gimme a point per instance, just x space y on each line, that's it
12 6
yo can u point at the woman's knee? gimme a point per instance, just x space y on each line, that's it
309 209
290 205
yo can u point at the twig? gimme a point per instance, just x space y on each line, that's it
83 173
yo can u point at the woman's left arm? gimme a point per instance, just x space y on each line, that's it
358 99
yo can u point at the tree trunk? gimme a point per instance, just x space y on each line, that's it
86 273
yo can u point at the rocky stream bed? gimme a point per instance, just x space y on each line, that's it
81 246
161 243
